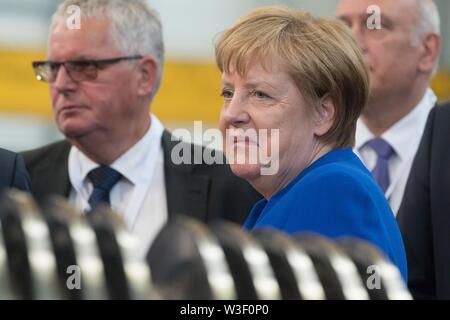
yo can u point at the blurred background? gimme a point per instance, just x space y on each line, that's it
191 83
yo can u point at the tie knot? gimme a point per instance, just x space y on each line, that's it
104 177
382 148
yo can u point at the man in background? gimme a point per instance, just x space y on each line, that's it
103 77
402 55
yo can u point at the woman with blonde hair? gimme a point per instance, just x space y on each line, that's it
302 80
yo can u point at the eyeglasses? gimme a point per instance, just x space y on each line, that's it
78 70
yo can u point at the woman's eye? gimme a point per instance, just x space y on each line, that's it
227 94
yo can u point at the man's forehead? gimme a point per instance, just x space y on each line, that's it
83 42
389 8
90 26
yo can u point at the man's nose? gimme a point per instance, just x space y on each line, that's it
63 81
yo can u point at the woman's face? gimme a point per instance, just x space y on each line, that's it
266 98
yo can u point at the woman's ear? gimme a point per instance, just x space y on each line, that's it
148 71
324 115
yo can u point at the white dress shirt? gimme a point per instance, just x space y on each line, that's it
404 137
139 197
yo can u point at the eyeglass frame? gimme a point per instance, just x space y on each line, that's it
98 64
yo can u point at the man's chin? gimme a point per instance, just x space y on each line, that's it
73 131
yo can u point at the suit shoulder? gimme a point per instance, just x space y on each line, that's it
437 128
443 111
7 156
8 160
445 105
12 171
60 148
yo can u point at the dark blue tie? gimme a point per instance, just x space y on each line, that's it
103 179
384 152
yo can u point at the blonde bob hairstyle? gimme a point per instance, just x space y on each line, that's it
321 55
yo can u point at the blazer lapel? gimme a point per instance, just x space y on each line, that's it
186 191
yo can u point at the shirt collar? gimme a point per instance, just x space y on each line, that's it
399 135
129 164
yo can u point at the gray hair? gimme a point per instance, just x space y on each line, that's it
135 27
428 22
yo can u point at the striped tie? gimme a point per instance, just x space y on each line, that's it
103 178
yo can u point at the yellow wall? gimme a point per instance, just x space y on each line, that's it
441 85
188 92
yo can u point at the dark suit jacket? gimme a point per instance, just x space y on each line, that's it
12 171
424 216
205 192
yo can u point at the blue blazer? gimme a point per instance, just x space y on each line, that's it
335 196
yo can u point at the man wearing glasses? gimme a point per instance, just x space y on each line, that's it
102 79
